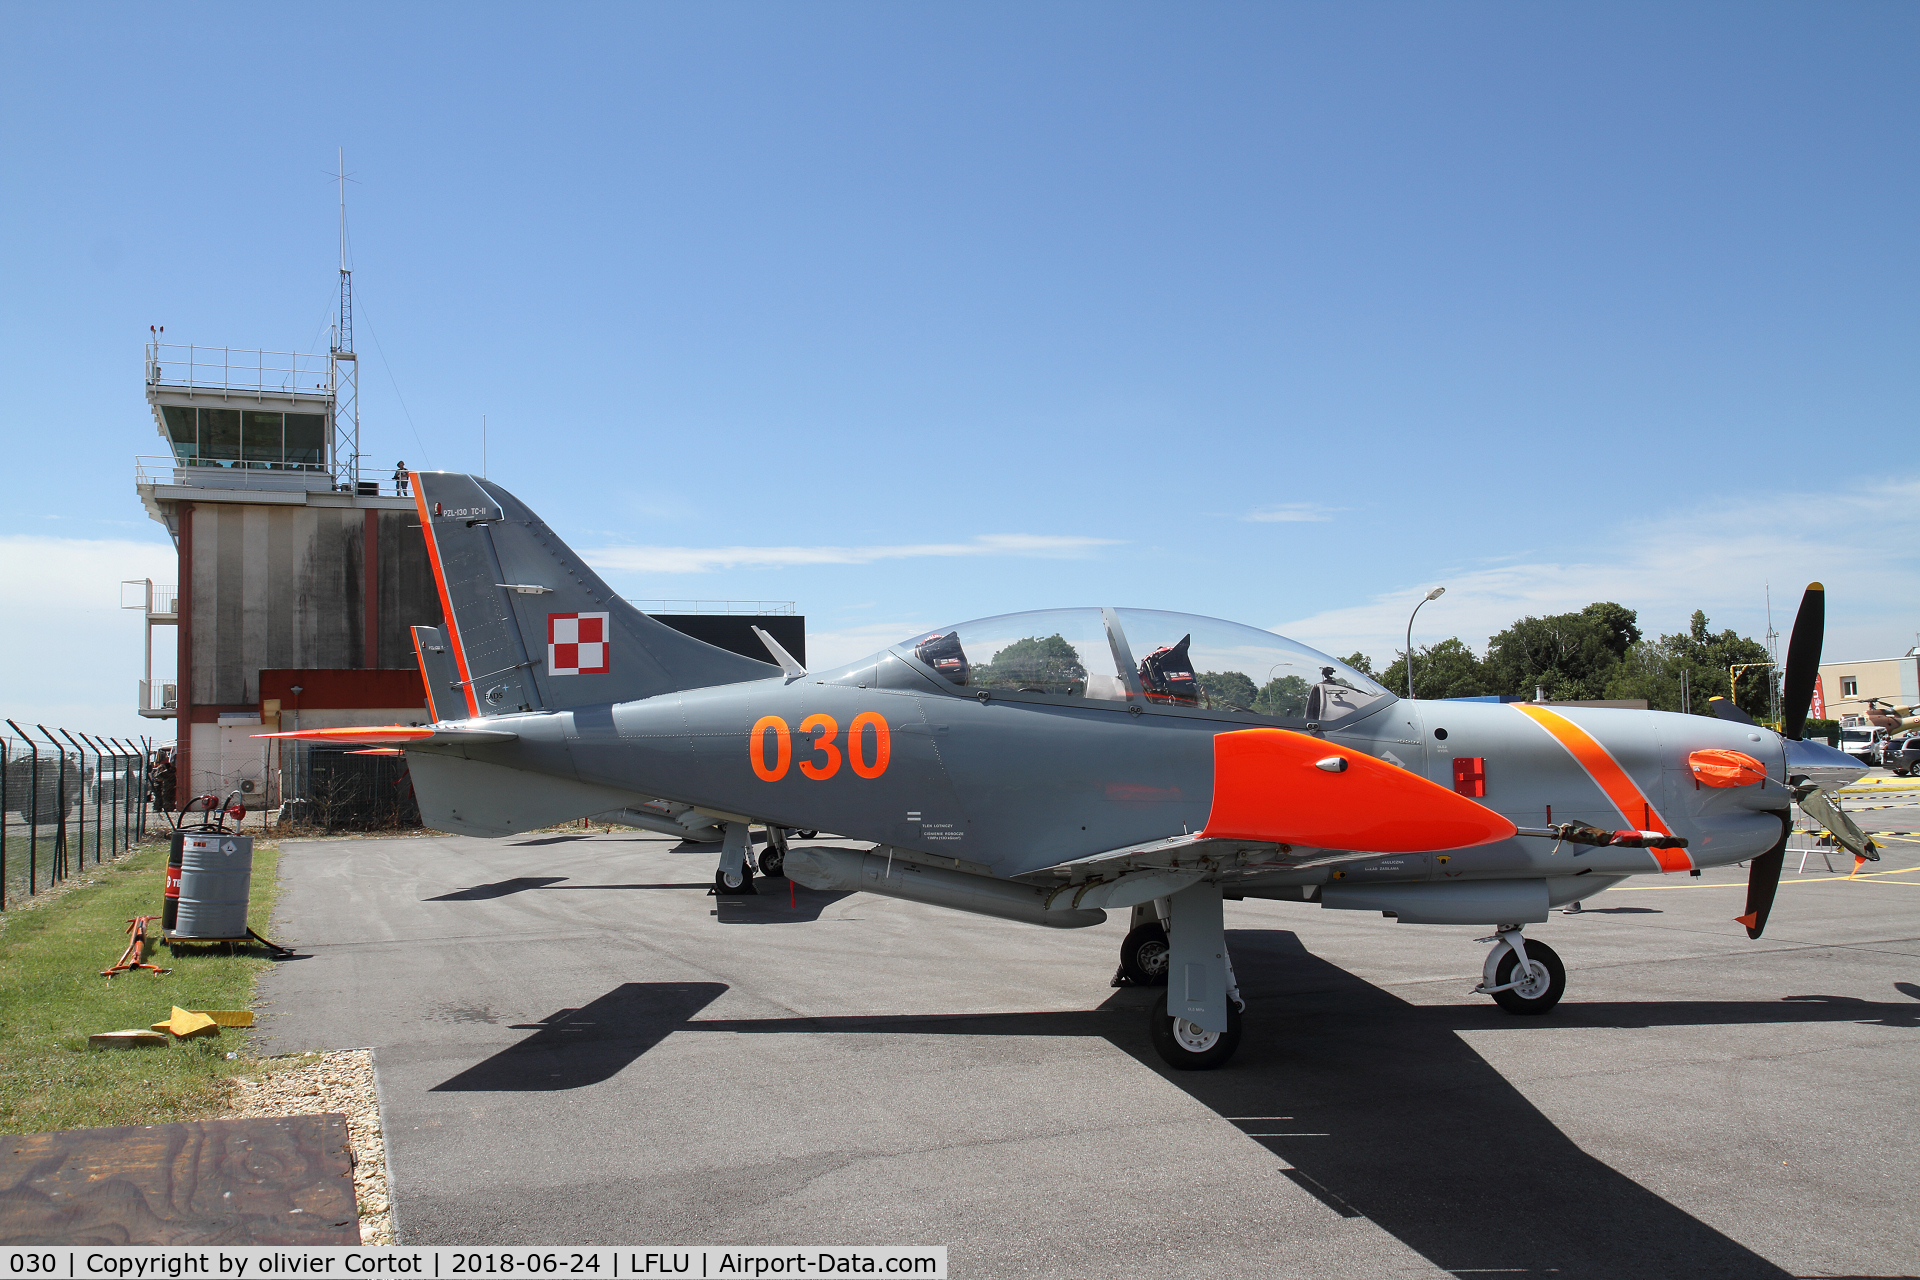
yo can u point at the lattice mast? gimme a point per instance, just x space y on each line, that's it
346 367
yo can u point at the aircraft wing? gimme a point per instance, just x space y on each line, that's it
401 735
1196 854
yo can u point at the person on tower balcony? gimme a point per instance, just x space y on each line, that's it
400 477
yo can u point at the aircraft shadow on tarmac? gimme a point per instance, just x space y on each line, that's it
1373 1105
498 889
578 1047
785 904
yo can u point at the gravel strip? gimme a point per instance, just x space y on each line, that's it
308 1083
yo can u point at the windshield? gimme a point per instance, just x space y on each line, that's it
1163 659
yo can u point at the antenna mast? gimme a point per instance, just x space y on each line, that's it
346 368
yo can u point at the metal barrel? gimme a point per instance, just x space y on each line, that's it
216 873
170 905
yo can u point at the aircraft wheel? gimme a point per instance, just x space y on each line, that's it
733 885
1543 989
805 835
1144 956
773 862
1185 1047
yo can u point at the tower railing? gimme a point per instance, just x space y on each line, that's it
231 369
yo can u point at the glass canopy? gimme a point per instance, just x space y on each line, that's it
1163 659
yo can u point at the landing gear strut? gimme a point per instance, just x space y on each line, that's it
1197 1027
1524 977
734 877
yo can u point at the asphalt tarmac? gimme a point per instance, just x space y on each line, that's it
575 1044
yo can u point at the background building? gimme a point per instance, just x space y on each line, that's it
1848 685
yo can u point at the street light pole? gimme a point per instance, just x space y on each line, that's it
1434 594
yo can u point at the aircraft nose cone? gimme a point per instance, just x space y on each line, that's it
1826 766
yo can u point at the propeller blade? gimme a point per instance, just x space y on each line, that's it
1727 711
1763 881
1803 660
1819 806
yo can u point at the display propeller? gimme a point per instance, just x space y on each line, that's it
1803 661
1796 696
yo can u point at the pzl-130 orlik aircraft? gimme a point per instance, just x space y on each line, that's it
1049 767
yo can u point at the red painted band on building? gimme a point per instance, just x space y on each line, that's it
345 688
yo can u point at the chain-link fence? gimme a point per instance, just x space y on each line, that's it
66 799
331 788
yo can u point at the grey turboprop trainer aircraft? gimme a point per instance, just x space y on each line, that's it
1050 767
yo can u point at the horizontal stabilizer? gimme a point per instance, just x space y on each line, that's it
399 735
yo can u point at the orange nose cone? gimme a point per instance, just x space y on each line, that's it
1276 785
1718 768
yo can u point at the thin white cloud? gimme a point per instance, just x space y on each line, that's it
1719 558
1290 513
71 657
621 559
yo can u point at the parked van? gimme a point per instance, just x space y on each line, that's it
1865 744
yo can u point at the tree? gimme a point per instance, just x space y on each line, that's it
1285 696
1362 663
1448 669
1041 662
1653 670
1570 655
1227 689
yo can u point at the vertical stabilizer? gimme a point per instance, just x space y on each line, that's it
529 627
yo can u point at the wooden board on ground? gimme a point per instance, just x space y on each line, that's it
277 1180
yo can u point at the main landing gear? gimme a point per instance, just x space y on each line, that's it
1523 976
734 877
1181 942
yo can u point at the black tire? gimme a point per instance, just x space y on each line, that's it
740 888
1540 955
773 862
804 835
1144 956
1185 1048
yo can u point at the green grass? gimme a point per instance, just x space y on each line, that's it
52 997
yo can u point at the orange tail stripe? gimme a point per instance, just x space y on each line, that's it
383 733
446 601
1612 779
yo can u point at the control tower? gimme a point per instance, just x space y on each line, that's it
298 580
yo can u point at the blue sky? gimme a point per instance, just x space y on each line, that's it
917 313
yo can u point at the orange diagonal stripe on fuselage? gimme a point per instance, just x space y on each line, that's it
1606 771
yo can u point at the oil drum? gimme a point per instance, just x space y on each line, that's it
216 873
170 905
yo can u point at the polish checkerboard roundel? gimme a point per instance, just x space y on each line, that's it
578 644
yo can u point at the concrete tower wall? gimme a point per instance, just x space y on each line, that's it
298 586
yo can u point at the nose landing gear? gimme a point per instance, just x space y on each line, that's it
1522 977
